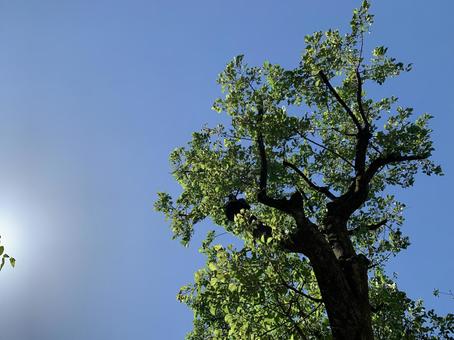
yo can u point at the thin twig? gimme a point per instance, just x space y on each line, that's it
323 190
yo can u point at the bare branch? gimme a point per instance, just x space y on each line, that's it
362 144
339 99
274 328
359 93
262 197
325 148
301 293
323 190
263 164
357 193
376 148
281 204
364 134
371 227
375 166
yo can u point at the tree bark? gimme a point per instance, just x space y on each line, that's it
342 278
344 292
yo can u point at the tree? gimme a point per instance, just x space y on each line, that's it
302 171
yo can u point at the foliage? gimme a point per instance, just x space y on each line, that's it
5 257
311 143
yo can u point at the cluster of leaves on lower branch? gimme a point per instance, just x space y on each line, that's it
262 294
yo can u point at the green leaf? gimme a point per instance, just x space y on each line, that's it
232 287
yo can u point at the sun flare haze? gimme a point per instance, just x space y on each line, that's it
11 233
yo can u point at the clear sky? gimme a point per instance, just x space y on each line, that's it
93 97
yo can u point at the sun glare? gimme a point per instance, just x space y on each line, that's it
10 234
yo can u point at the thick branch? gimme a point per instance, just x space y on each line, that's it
371 227
378 163
339 99
359 94
263 164
281 204
357 194
362 145
262 197
364 135
323 190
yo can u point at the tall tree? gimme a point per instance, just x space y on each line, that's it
300 177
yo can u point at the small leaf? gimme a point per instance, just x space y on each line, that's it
232 287
12 260
217 247
238 59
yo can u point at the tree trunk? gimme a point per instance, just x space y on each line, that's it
343 284
345 294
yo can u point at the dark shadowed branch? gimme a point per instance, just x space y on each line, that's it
371 227
339 99
392 158
325 148
323 190
359 94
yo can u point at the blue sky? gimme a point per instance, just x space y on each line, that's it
93 97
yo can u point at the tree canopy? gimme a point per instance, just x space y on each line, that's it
312 155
